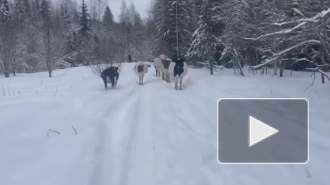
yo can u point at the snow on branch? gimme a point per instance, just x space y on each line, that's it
301 22
276 55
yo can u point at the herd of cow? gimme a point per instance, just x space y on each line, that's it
164 67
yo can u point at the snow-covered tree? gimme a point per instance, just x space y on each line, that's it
46 15
4 10
84 19
210 27
174 23
8 37
108 20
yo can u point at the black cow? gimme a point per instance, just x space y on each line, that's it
111 74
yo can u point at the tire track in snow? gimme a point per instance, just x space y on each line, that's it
106 154
125 154
140 159
114 115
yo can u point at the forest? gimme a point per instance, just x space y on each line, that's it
40 35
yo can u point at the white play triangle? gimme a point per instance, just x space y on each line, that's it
259 131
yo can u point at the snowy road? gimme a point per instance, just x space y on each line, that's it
141 135
141 118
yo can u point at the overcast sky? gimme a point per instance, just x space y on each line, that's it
141 6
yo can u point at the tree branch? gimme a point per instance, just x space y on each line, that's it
284 51
301 22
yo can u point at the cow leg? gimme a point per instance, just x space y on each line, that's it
176 83
105 84
181 78
140 78
115 82
112 81
163 75
104 78
166 76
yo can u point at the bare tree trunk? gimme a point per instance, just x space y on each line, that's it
237 59
322 68
7 38
129 40
48 60
211 66
6 67
281 68
14 68
275 67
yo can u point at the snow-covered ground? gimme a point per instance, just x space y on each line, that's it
143 135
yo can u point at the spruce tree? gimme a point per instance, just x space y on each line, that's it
107 19
84 19
36 4
174 21
4 10
47 20
27 7
7 37
45 11
72 42
66 17
21 12
205 36
76 18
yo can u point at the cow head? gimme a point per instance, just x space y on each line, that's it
162 56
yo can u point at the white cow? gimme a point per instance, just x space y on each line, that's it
162 56
141 69
178 74
158 66
161 65
165 72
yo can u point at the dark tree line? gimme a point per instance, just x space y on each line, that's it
291 34
38 35
294 34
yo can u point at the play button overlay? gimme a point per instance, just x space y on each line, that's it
259 131
263 131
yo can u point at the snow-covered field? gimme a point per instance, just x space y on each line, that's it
67 130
